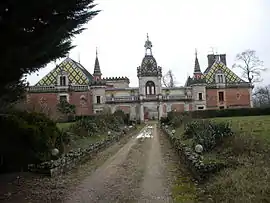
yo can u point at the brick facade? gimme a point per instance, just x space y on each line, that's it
124 108
43 102
233 98
47 102
177 107
83 106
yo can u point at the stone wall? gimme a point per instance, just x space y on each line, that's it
70 160
192 160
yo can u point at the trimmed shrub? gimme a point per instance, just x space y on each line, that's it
207 133
164 120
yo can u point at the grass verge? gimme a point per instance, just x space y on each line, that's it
64 126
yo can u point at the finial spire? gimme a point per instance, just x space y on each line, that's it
148 45
197 68
97 71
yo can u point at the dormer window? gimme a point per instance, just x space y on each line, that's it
63 80
220 78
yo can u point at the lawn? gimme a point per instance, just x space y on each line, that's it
247 177
64 126
77 141
249 125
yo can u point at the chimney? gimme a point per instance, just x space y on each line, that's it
211 59
223 59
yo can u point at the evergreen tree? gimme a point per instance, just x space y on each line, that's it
34 33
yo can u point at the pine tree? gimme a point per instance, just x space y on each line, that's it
34 33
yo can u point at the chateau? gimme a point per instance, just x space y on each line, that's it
215 88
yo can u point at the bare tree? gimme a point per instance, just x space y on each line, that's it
250 65
168 79
261 96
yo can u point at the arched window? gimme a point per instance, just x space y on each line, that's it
150 88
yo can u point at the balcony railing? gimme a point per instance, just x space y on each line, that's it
58 88
151 97
176 97
147 98
122 98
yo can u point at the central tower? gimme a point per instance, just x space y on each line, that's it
149 74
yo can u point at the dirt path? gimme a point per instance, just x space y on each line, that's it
143 168
137 173
154 187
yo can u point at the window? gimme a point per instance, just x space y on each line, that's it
98 99
153 89
62 98
147 90
200 96
200 107
220 78
63 80
237 96
150 88
221 96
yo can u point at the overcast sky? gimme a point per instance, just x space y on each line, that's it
176 28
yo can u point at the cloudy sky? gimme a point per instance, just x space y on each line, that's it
176 28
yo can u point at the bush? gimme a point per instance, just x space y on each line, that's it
122 116
207 133
164 120
26 138
176 121
84 127
92 125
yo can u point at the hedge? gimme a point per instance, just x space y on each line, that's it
223 113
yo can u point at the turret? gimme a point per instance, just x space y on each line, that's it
97 72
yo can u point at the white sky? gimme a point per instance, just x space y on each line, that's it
176 28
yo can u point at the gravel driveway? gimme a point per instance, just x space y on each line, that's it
136 173
140 169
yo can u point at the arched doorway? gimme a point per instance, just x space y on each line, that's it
146 113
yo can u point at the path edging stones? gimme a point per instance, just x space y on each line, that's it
67 162
192 160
